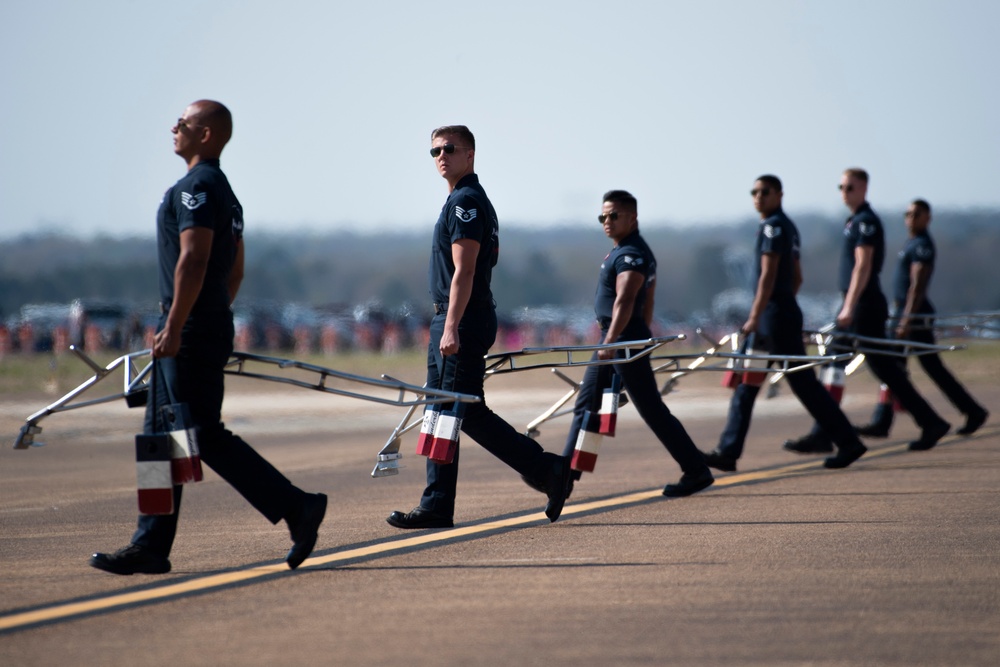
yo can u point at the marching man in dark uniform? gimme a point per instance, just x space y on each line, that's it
200 249
464 250
865 312
914 318
775 327
624 307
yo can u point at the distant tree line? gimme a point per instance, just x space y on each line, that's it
538 266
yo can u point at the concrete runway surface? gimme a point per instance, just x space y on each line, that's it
894 561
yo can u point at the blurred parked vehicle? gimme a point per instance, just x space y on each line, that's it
97 325
39 327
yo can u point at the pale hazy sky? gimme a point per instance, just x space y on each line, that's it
683 103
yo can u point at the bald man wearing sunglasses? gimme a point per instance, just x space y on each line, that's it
200 246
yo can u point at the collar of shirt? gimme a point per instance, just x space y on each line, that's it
209 162
775 217
864 208
633 235
467 180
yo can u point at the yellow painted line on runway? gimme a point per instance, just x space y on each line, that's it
796 468
124 599
201 584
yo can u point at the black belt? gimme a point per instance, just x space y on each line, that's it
605 322
201 313
442 308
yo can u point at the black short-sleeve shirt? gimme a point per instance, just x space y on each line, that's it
202 198
777 234
631 254
467 214
864 228
918 250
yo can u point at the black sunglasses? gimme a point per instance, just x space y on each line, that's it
447 148
603 217
763 192
181 123
845 188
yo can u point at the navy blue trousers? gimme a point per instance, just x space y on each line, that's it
640 383
870 316
464 373
780 332
941 376
195 377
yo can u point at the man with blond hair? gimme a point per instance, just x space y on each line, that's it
864 312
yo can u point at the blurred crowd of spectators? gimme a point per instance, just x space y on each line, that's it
95 326
272 327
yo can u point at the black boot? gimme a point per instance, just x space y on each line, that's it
973 421
880 424
811 443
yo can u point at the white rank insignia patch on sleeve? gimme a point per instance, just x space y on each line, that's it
770 231
923 252
634 261
465 216
193 201
866 228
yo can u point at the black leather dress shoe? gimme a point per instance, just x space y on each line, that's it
845 457
560 485
132 559
973 422
719 461
534 483
419 517
304 527
880 423
873 430
810 444
689 484
930 437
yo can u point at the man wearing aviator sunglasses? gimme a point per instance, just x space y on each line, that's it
914 318
865 311
465 248
774 325
447 148
624 308
200 250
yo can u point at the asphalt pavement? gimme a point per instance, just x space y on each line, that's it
893 561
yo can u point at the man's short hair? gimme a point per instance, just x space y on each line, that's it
216 116
771 180
621 197
922 205
858 174
460 131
